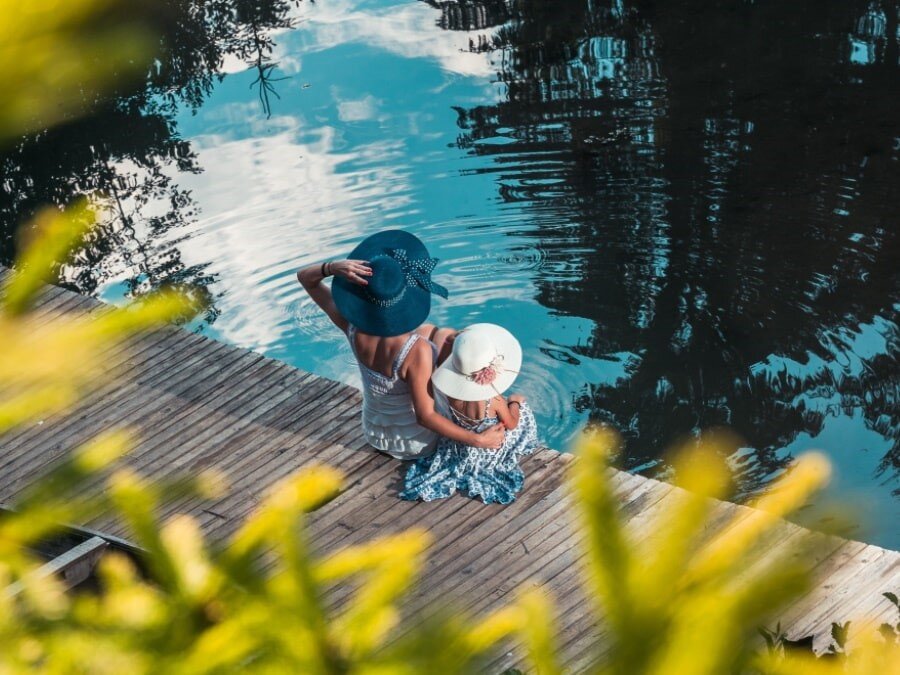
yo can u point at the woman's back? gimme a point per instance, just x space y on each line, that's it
379 354
389 417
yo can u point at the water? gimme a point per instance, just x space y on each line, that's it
686 211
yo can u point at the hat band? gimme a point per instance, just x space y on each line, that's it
385 302
418 271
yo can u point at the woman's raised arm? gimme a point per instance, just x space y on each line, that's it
311 278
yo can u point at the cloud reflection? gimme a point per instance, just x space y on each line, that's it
266 201
408 30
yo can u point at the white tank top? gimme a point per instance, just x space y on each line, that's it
388 417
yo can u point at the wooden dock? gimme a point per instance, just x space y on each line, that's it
197 403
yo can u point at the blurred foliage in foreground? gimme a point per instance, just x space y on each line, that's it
676 602
56 56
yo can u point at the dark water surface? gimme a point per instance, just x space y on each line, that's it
687 211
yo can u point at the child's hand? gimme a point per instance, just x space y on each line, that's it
517 398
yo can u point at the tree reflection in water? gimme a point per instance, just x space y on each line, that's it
126 148
732 166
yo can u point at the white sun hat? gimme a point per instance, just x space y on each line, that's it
484 363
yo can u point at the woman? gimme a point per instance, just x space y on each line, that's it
380 298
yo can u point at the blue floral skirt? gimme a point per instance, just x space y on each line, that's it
493 476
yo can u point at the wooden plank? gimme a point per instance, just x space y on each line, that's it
558 565
72 567
353 512
225 423
239 460
124 395
871 607
842 592
371 510
169 411
586 637
334 453
89 431
53 303
577 606
80 533
199 387
239 505
824 570
138 352
578 650
561 570
50 298
535 559
647 503
65 436
874 608
245 505
539 555
446 528
303 411
259 394
463 556
367 497
187 415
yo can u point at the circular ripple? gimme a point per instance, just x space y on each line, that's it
309 320
552 402
522 259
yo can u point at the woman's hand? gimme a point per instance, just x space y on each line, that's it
517 398
354 271
492 437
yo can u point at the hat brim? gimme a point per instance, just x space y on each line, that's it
354 305
458 385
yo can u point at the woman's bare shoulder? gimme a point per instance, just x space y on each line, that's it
419 359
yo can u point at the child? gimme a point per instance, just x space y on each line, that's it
483 364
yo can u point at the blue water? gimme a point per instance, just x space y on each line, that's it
362 139
685 211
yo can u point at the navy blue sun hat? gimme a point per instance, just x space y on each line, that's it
397 298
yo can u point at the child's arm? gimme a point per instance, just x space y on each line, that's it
509 415
418 368
508 411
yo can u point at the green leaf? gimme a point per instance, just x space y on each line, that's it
805 643
768 636
888 632
839 633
